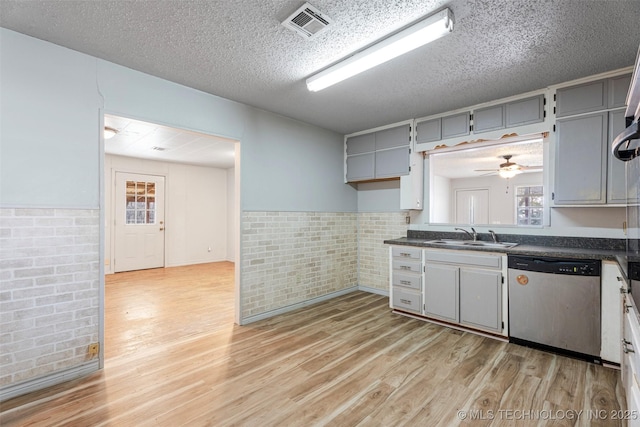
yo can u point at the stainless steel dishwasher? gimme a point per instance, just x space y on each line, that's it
554 304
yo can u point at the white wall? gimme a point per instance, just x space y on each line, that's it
232 214
196 214
502 194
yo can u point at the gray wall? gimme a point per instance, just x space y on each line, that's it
51 106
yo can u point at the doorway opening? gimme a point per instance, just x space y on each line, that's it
170 200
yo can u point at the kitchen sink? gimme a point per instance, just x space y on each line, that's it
471 243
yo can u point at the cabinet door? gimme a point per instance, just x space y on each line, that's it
581 98
456 125
361 144
392 163
429 131
361 167
618 88
525 111
490 118
394 137
616 185
481 299
581 160
441 292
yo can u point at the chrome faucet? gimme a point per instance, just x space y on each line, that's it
471 234
493 236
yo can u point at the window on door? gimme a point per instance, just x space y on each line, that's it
529 205
141 202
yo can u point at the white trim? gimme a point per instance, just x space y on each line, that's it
296 306
389 126
15 390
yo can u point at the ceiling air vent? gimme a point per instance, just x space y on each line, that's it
307 21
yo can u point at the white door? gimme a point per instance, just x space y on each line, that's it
139 222
472 206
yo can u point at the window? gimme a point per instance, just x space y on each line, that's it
141 202
529 205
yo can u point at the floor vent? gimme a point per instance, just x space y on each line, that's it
307 21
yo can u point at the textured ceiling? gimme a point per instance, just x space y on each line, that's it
238 49
144 140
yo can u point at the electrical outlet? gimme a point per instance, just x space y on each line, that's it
93 349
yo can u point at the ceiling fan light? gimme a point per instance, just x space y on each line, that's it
508 173
109 132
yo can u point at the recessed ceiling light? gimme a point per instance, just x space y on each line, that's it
109 132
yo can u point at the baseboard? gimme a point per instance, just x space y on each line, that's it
56 378
296 306
373 290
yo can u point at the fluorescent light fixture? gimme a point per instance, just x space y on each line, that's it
419 34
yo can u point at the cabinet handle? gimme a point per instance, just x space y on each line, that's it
405 267
405 301
405 282
626 349
404 254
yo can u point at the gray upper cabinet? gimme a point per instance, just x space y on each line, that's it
434 130
429 131
456 125
581 98
525 111
581 160
361 144
616 186
593 96
392 163
378 155
393 137
490 118
618 88
361 167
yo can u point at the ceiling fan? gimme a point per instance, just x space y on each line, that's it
509 169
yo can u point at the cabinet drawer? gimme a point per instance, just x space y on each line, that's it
406 252
407 265
407 300
407 280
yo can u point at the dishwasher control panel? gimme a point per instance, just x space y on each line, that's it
576 267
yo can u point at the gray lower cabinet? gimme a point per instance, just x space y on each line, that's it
481 298
441 292
581 160
406 279
463 288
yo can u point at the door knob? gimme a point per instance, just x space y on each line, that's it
161 228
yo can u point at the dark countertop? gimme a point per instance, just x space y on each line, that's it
550 246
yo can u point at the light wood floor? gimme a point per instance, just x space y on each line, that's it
175 358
